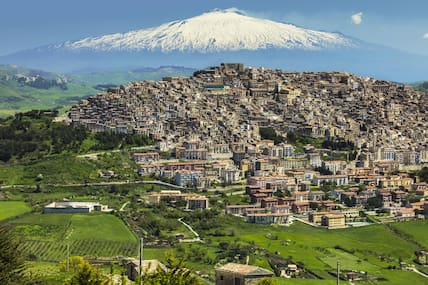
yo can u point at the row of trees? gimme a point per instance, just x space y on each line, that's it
33 135
296 138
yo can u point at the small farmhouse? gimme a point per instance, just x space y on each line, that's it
240 274
132 267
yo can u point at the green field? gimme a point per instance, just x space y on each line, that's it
9 209
16 98
415 230
373 249
59 169
65 169
46 236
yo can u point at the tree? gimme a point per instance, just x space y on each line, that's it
83 272
423 174
12 260
176 274
374 202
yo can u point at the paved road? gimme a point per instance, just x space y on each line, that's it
99 184
123 206
303 221
420 273
196 239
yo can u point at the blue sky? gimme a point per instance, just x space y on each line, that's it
28 23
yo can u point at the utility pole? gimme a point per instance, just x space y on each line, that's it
338 272
141 261
68 257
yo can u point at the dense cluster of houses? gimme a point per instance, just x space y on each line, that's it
281 182
227 104
210 123
192 200
278 188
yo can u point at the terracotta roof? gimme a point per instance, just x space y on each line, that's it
267 215
241 206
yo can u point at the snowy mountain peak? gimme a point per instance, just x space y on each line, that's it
215 31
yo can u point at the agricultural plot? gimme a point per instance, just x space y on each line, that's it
373 249
415 230
9 209
46 236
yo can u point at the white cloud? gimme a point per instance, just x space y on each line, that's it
425 36
357 18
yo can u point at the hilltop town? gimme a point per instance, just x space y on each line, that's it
310 144
224 107
230 166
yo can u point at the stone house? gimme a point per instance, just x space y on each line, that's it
240 274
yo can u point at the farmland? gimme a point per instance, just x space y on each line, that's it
374 249
45 237
10 209
415 230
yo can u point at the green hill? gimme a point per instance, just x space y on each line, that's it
117 77
23 89
423 86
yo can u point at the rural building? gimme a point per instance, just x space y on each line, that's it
333 220
197 203
351 215
316 217
267 218
75 207
168 195
146 157
239 209
240 274
132 267
422 257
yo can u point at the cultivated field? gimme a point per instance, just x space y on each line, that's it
416 230
373 249
45 236
9 209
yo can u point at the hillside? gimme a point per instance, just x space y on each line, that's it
23 89
118 77
422 86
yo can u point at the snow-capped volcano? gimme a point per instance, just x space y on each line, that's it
225 36
216 31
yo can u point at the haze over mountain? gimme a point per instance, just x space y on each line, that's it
226 36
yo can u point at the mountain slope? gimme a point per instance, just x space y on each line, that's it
23 89
220 30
